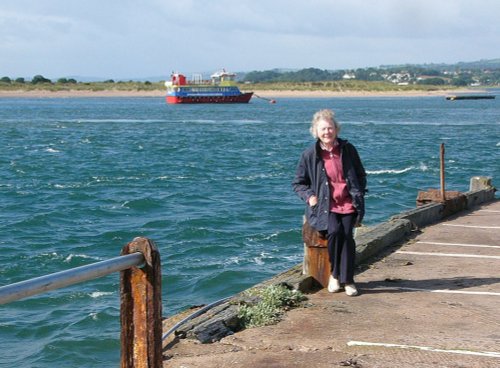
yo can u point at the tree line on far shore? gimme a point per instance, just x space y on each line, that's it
40 79
480 73
399 75
39 82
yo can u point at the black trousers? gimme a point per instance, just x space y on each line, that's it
341 246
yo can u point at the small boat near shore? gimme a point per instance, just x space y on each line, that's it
470 97
221 88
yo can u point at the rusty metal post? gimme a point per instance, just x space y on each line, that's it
443 190
316 260
140 310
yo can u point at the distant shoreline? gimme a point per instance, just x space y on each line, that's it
328 94
257 93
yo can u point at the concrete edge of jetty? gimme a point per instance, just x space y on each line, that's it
222 320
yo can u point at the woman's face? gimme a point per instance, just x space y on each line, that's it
326 132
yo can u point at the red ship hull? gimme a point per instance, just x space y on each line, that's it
243 98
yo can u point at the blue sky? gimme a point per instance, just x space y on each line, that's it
136 39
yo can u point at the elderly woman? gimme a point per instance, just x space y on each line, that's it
330 178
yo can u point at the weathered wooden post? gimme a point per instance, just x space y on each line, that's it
316 260
140 310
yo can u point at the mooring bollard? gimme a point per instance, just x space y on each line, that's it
140 310
480 183
316 260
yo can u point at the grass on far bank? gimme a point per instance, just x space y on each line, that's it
333 86
343 86
84 86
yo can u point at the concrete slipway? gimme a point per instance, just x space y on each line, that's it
431 300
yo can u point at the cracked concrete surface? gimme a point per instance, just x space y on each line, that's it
428 299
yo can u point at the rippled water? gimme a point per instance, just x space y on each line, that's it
210 184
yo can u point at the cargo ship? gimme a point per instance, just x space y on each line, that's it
221 88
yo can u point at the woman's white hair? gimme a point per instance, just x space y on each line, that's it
325 114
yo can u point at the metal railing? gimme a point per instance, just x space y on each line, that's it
58 280
140 298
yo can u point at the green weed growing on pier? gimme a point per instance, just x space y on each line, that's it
272 302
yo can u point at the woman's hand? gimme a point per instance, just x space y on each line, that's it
313 201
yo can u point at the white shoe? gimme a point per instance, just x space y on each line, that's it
350 289
333 285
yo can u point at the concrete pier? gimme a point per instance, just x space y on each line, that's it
430 301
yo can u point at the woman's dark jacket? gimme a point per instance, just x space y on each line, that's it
310 179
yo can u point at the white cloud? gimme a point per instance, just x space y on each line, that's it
129 38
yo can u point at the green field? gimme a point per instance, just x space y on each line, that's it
81 86
336 86
342 86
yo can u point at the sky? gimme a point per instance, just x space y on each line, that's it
125 39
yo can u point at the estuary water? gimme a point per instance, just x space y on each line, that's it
210 184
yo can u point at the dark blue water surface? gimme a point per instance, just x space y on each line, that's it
210 184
